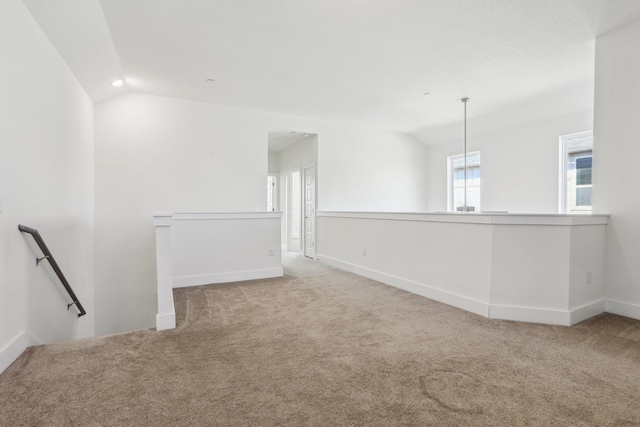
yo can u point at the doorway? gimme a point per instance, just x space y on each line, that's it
293 160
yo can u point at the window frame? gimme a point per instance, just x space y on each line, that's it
563 182
450 178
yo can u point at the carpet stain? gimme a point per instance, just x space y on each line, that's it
454 391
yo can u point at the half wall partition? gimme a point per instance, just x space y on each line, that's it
544 268
195 249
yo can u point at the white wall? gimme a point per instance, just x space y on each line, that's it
219 248
616 153
296 155
519 151
423 256
365 169
157 154
273 162
46 182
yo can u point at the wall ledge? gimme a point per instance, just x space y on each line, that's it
190 216
162 219
488 218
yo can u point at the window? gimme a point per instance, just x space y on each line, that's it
576 164
456 181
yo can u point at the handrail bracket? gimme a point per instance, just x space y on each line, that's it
39 260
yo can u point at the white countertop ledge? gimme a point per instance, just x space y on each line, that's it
486 218
189 216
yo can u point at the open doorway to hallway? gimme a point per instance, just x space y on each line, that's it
292 170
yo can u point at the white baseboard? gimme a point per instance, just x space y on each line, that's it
531 315
550 317
522 314
587 311
165 321
623 308
10 352
236 276
454 300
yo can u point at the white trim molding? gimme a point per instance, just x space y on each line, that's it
492 218
492 311
165 318
547 316
623 308
187 216
528 314
165 321
459 301
235 276
10 352
587 311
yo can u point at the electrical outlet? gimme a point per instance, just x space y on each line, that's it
270 252
364 251
588 277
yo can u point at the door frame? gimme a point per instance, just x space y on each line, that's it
289 198
310 253
275 191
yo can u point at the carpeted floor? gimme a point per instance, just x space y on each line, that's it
322 347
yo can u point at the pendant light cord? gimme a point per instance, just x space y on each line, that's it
464 101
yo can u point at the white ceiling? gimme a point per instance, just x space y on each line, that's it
365 61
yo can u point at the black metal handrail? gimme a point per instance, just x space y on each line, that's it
47 255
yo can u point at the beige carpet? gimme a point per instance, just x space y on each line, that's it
321 347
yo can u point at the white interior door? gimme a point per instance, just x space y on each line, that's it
272 192
294 210
309 211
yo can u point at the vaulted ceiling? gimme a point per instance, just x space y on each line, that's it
364 61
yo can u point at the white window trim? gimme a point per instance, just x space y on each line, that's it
562 170
450 160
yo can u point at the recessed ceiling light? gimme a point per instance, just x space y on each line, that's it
117 83
210 80
427 93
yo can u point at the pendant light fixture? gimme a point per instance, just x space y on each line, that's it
465 208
